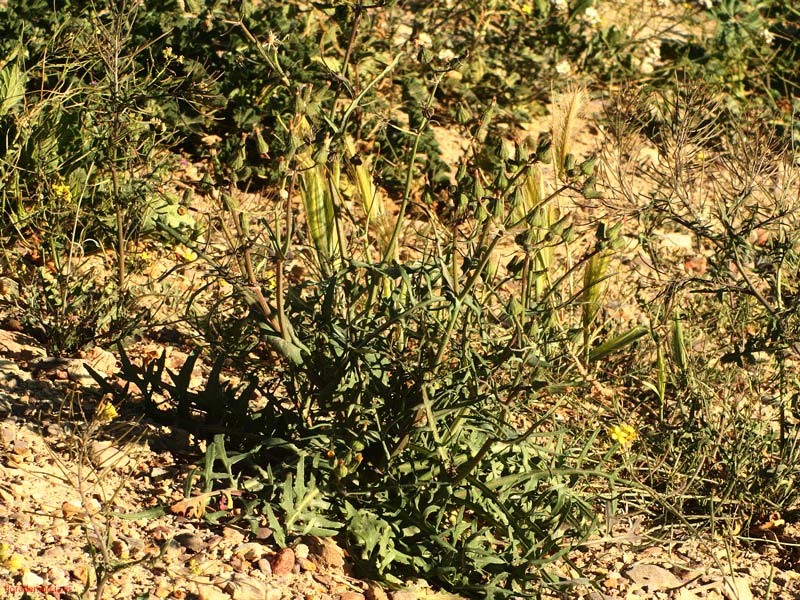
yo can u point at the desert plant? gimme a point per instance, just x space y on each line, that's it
83 173
398 386
733 300
86 470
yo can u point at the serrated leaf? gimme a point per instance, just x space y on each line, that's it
12 87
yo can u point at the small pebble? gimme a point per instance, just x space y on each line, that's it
190 541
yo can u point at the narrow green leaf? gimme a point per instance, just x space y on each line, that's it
617 343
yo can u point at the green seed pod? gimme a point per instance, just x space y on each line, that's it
480 213
559 226
543 150
263 147
613 233
463 114
617 243
521 154
490 270
587 166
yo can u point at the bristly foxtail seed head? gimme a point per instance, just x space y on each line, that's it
567 114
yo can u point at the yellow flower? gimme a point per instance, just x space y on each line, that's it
185 253
623 434
14 562
106 412
61 191
194 567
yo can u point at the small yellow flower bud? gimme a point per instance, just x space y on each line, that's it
623 434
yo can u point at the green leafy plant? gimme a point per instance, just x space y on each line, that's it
397 381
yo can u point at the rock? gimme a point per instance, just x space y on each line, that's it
19 346
58 577
306 565
190 541
22 520
12 324
92 506
71 509
163 588
30 579
238 564
209 592
234 536
120 549
135 547
242 587
157 473
102 361
105 455
324 580
9 289
76 371
250 551
375 592
81 573
301 551
8 433
674 241
737 588
326 553
265 567
53 553
695 265
263 533
11 374
652 577
283 563
273 594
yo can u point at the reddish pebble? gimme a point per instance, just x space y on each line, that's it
283 563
